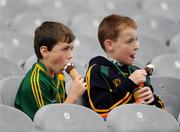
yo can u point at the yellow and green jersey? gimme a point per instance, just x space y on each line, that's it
38 89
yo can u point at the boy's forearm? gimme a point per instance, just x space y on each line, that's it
126 85
70 99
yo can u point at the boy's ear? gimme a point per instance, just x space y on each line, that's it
44 51
108 45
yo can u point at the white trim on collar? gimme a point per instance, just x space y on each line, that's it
114 61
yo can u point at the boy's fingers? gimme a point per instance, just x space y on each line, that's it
78 77
142 90
143 78
84 84
150 101
147 97
140 101
143 72
145 94
81 80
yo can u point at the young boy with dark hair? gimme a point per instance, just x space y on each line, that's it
112 80
44 83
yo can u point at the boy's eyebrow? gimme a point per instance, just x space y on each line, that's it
68 46
130 35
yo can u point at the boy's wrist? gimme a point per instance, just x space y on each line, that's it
129 85
71 99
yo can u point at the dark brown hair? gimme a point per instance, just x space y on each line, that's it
49 34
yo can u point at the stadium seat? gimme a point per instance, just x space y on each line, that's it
168 90
65 10
74 8
123 7
141 118
8 68
138 63
4 26
13 120
103 8
29 63
86 24
175 44
8 89
167 8
149 47
27 22
85 48
162 27
127 7
68 118
17 47
54 9
1 101
9 9
179 118
167 65
81 69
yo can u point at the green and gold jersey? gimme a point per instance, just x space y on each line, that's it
38 89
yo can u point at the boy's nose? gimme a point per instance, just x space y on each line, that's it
69 58
70 55
136 46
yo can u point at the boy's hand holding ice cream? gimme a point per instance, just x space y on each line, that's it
78 85
143 94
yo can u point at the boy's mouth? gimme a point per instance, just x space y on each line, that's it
133 56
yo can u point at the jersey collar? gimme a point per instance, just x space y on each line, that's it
114 61
41 66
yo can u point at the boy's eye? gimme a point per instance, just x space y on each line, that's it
131 40
66 48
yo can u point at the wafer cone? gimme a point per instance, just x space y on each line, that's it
71 70
73 73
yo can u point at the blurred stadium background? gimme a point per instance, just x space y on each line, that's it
158 34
